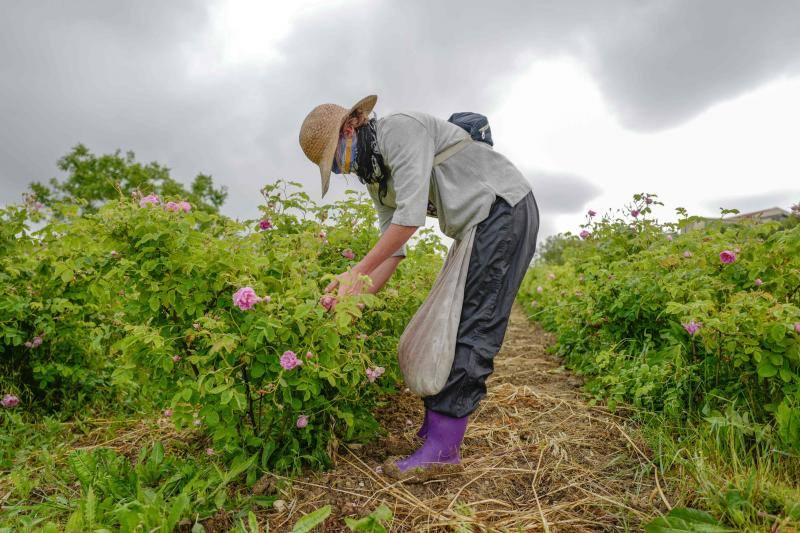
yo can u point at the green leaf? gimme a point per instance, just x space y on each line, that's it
219 498
220 388
212 418
252 521
312 520
178 506
257 370
766 370
90 507
382 513
372 522
157 455
67 275
682 519
82 465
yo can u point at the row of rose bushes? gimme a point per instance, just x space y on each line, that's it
704 321
223 325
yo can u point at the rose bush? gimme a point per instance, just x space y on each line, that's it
701 321
205 317
58 299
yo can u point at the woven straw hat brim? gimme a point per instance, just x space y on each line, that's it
319 133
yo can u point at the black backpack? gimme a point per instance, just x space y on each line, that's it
475 124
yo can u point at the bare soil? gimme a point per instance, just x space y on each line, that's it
537 457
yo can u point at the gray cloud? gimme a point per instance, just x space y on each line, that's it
117 76
561 193
671 60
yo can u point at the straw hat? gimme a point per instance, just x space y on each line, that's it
319 133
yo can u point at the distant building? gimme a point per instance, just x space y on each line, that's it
772 213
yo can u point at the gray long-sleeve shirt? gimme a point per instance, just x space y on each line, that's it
460 189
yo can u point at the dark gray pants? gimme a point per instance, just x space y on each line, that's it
501 253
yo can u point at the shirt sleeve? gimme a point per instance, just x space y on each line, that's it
385 213
408 150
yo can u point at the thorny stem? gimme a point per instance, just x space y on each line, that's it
249 398
791 296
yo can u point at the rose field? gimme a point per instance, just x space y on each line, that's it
164 367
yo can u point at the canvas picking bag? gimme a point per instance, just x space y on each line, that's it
428 344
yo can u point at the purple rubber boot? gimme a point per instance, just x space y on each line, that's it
423 430
442 444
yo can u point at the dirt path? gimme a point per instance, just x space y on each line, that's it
536 457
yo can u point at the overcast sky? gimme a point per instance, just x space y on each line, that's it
698 102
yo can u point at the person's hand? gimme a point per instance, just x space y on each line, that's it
346 283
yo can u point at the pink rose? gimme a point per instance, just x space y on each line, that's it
210 451
727 257
758 282
648 200
692 327
167 413
349 254
245 298
265 224
585 234
309 355
669 237
171 206
185 206
289 360
373 374
634 213
150 199
797 327
327 301
9 401
302 421
592 213
539 289
34 343
176 358
687 253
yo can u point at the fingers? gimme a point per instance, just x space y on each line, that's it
331 285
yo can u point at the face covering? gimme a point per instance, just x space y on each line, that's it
345 155
360 155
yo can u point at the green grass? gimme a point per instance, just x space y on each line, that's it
118 472
725 470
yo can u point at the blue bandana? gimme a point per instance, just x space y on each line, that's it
340 161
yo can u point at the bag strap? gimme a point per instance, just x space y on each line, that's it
451 150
